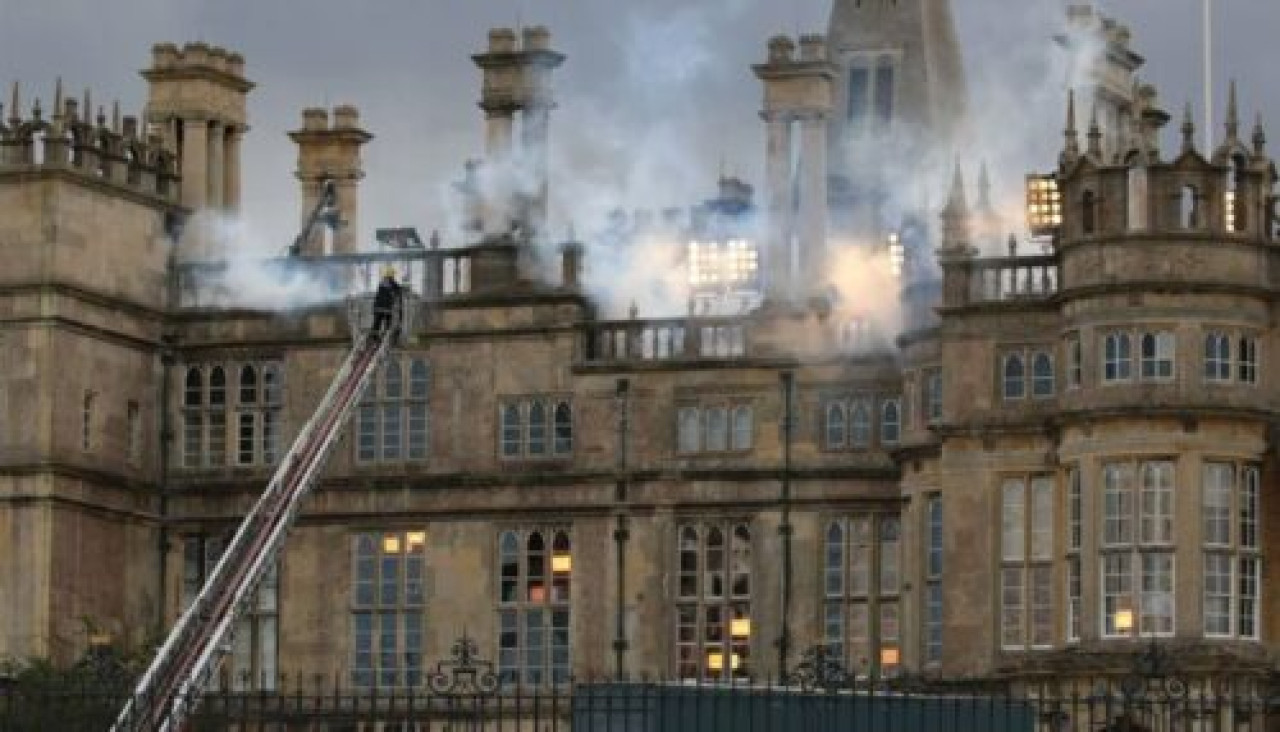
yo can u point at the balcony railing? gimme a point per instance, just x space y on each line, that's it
435 274
679 339
1013 278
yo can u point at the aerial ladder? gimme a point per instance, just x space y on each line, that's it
184 665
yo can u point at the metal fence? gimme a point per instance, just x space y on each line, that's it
464 694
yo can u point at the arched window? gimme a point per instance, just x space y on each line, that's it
512 430
860 426
740 563
564 429
890 422
1041 375
1157 355
273 408
689 430
717 429
689 565
884 90
1015 375
742 427
713 608
535 573
537 429
535 576
193 394
1217 357
509 567
216 446
1089 213
218 387
713 577
248 385
833 563
835 426
1189 207
1118 361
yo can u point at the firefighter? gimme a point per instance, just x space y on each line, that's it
385 301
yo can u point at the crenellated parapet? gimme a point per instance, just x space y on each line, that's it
71 138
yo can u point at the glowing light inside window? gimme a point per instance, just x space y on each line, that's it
1229 205
723 263
740 627
890 656
1044 204
897 255
561 563
391 544
417 540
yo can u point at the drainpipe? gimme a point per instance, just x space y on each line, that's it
173 227
784 528
621 533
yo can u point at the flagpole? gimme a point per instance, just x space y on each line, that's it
1208 76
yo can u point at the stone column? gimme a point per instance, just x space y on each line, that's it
217 132
231 170
779 172
813 198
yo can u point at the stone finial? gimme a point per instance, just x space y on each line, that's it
315 119
1233 115
1095 135
984 188
955 216
57 99
15 106
781 49
87 107
956 200
1071 151
1188 130
36 111
115 116
102 116
346 117
1259 139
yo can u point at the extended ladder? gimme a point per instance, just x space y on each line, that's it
170 688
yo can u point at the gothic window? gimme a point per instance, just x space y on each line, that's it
535 428
392 418
890 422
1247 359
1118 361
252 665
884 90
713 604
1015 377
1157 356
272 412
860 425
689 430
933 396
1041 375
861 592
1137 549
1232 560
1217 357
247 416
835 425
715 428
534 602
193 419
859 95
1026 572
388 609
1075 540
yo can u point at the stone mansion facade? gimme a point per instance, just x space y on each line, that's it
1061 456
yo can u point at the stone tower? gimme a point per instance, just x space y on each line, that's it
899 94
196 99
331 152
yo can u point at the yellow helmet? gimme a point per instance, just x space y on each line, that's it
389 272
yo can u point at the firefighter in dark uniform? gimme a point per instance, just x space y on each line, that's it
385 301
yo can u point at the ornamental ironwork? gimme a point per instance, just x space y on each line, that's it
464 673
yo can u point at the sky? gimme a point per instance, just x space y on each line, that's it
656 98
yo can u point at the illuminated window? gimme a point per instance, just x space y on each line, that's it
1044 205
730 263
252 665
861 592
388 609
1137 549
392 419
713 602
535 573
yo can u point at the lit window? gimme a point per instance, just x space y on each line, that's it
1137 553
853 593
388 609
534 605
713 607
1044 204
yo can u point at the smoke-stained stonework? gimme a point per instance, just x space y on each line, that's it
1068 447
